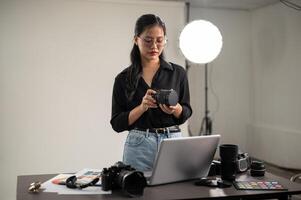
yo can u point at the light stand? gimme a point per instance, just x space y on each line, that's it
206 119
201 42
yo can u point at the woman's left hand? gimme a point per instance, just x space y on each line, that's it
175 110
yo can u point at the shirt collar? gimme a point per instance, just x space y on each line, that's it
166 65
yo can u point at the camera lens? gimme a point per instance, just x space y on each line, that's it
228 154
132 183
172 98
167 97
257 168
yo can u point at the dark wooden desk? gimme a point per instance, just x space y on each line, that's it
182 190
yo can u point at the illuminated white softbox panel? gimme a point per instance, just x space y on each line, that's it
200 41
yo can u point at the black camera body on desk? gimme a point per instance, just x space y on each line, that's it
124 177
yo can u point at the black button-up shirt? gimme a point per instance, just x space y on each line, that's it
168 76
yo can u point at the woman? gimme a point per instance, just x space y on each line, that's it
133 105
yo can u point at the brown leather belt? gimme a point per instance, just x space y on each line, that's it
171 129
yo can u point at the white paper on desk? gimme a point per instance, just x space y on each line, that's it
86 175
86 191
48 186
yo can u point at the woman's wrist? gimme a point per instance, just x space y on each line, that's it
178 111
143 108
136 113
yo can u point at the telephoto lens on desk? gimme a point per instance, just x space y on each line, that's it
228 154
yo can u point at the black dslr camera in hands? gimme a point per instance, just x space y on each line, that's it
124 177
167 97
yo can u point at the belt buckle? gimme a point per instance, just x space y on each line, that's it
161 129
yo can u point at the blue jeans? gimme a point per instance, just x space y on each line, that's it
141 147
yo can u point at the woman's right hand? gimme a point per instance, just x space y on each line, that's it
148 101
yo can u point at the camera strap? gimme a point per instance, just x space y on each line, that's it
71 182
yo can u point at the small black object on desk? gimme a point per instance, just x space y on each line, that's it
216 182
257 168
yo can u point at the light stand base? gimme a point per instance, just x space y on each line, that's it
207 122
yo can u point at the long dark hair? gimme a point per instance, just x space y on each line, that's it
135 70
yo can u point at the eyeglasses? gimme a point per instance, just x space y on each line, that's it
148 42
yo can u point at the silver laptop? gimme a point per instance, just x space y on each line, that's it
184 158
